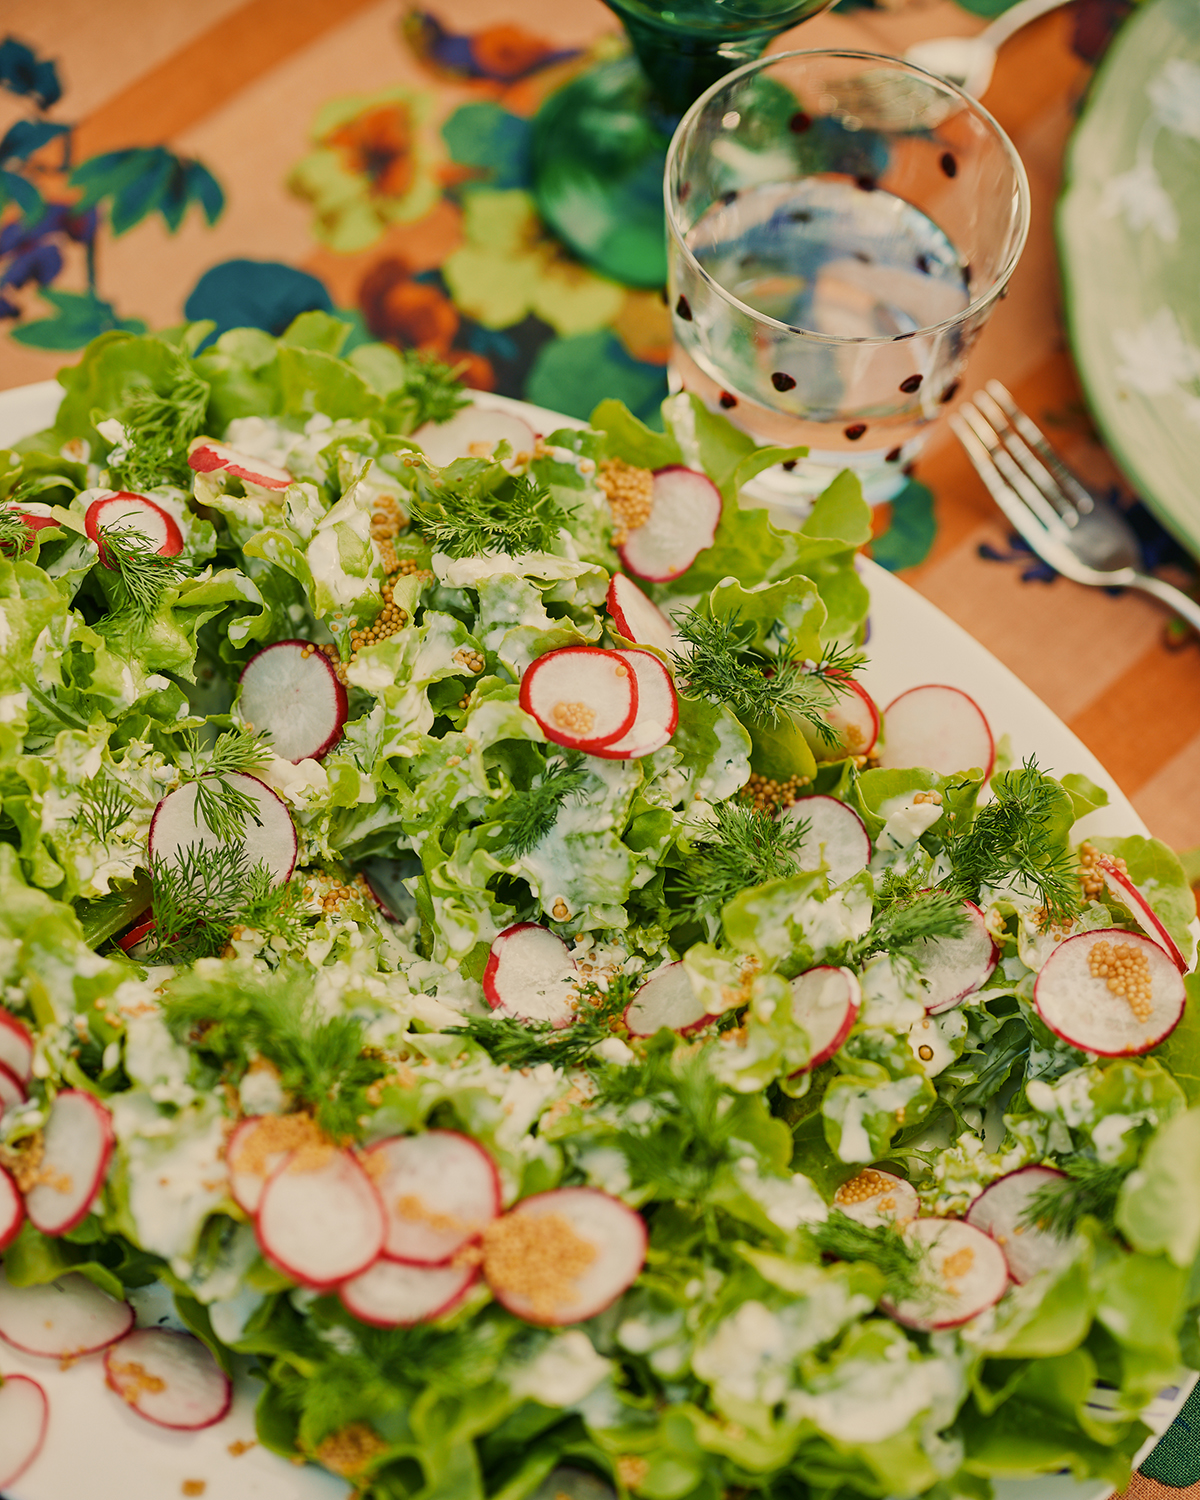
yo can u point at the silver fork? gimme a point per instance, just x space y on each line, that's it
1080 534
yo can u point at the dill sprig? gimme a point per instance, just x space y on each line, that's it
103 807
744 848
718 662
899 1259
202 894
525 1044
1089 1190
903 924
323 1061
14 533
158 430
1014 838
527 816
143 574
431 391
219 805
485 509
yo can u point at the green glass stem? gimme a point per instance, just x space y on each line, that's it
680 65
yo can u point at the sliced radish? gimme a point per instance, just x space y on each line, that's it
855 720
12 1210
63 1318
135 941
169 1378
473 432
965 1272
246 1183
133 515
657 710
24 1415
391 1295
594 1243
666 999
637 618
1000 1211
440 1190
825 1003
1123 890
291 690
12 1090
685 510
16 1046
951 968
581 696
269 835
836 836
76 1146
207 457
937 727
531 974
1074 998
36 518
321 1224
875 1197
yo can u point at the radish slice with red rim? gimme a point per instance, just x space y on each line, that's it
36 518
666 999
581 696
951 968
685 511
321 1224
291 690
390 1294
208 457
657 710
24 1416
825 1003
12 1210
133 515
938 727
77 1144
169 1378
12 1090
473 432
965 1272
530 974
1073 993
853 717
269 835
638 618
594 1242
440 1190
61 1319
247 1174
135 941
836 836
1000 1211
1122 889
875 1197
16 1046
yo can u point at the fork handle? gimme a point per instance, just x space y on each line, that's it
1175 599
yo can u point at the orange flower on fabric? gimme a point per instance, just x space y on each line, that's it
374 166
417 315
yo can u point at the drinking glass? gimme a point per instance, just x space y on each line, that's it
599 143
840 227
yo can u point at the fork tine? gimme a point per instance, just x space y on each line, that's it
1016 477
1036 439
1035 470
1018 513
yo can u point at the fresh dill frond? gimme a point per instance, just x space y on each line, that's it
484 509
899 1259
526 1044
1089 1190
432 391
527 816
744 848
903 924
718 662
158 430
143 574
1014 838
225 808
201 895
14 534
103 807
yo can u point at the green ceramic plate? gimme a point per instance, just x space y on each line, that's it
1128 231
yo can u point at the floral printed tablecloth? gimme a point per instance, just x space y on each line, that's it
243 160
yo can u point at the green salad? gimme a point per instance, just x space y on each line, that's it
563 1090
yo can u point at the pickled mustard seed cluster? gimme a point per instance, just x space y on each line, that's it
1091 870
1127 971
932 798
630 495
277 1135
765 794
869 1184
575 718
387 522
329 894
351 1450
537 1258
471 659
